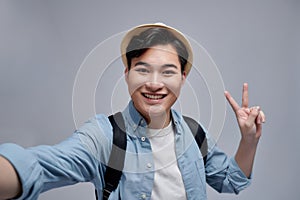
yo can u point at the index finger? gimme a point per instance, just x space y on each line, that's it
235 106
245 98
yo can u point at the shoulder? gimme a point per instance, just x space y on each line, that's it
96 125
96 135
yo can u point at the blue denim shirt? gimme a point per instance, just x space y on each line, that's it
82 158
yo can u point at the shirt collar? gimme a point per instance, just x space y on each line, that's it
136 120
133 117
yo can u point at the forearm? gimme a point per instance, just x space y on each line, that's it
223 173
245 155
10 185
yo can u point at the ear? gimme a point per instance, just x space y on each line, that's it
126 71
183 78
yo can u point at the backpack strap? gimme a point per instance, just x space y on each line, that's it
199 135
117 156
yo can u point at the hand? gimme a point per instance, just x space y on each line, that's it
249 119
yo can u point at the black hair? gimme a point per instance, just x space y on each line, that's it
139 44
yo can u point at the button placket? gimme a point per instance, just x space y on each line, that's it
143 196
149 165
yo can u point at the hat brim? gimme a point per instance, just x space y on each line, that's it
139 29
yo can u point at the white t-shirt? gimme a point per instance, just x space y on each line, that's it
168 183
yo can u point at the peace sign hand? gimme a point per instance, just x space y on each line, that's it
249 119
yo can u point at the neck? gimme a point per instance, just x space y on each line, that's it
159 122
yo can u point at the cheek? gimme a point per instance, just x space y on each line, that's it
134 83
174 87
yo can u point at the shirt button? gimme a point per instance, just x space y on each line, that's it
143 139
149 165
143 196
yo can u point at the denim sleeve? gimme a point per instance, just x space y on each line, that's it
45 167
223 173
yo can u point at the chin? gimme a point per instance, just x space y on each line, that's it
156 110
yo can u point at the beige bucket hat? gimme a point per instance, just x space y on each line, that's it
138 29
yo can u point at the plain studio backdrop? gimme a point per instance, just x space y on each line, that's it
44 43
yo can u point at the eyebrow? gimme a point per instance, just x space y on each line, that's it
142 63
148 65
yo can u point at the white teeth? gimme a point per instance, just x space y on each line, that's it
151 96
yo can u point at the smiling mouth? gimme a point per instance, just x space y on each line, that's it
154 96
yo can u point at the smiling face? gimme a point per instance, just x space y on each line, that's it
154 82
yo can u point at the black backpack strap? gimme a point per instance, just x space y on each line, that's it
117 156
199 135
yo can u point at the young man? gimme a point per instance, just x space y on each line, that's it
162 158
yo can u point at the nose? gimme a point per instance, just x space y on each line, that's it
154 83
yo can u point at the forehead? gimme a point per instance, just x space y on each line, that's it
158 53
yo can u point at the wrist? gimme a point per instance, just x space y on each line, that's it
249 141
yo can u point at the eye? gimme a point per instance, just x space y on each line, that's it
169 72
142 70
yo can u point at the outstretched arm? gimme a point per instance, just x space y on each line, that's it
10 185
250 123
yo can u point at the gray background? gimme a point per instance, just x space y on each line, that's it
43 44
